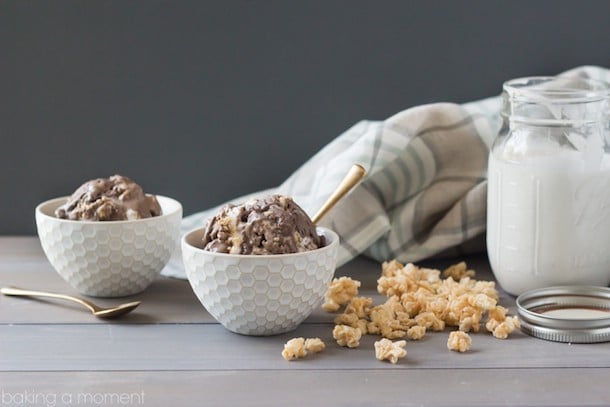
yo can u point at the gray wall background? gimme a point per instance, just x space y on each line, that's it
205 101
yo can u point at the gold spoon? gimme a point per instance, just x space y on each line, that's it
353 177
105 313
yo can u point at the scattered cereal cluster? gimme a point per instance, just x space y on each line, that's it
340 291
459 341
456 301
297 348
419 300
385 349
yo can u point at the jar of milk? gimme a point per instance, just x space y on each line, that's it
548 203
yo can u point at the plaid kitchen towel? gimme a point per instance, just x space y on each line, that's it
425 192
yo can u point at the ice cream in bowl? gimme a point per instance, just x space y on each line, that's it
260 267
109 238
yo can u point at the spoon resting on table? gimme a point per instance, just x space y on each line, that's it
100 312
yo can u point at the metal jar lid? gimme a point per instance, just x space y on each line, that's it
574 314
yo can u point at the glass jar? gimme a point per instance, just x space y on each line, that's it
548 202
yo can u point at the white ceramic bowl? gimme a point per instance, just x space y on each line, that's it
109 258
259 294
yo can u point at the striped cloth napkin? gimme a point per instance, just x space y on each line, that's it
425 192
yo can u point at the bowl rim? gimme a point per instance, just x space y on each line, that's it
177 208
326 231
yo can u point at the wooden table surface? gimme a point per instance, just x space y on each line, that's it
171 352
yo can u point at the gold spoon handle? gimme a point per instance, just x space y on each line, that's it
14 291
355 175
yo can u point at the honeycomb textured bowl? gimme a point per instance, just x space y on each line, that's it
259 294
110 258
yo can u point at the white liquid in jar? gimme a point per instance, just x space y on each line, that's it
548 221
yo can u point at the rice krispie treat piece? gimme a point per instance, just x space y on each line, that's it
430 321
314 345
411 304
407 279
385 322
417 332
458 271
482 301
340 291
495 317
499 324
294 349
351 319
390 268
347 336
297 348
385 349
459 341
361 306
505 327
470 319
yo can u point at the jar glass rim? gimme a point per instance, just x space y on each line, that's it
557 89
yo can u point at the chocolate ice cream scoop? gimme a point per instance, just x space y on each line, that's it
105 199
272 225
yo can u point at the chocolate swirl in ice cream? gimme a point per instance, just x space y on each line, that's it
106 199
271 225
